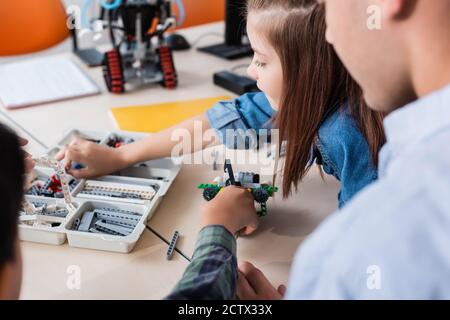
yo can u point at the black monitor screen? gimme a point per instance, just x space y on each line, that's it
234 22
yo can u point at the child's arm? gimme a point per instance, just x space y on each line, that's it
213 271
249 111
161 144
100 160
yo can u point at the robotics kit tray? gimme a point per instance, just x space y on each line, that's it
108 213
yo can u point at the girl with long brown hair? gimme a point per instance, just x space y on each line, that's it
306 93
319 103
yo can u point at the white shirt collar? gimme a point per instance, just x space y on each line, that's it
418 120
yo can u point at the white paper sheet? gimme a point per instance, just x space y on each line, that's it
42 80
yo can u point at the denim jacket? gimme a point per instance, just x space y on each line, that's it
340 147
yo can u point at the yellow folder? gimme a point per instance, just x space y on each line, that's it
156 117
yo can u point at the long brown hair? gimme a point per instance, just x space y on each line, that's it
315 84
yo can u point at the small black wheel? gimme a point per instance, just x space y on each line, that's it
260 195
210 193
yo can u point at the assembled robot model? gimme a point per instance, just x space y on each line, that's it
140 54
261 191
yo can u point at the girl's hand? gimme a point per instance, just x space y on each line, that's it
234 208
97 159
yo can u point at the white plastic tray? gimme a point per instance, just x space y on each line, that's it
159 174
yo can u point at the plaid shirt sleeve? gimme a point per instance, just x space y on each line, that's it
212 273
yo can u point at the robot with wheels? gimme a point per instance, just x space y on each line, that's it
261 191
140 54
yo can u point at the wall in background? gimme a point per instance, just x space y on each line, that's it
203 11
197 12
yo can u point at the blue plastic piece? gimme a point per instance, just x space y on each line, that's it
110 6
182 16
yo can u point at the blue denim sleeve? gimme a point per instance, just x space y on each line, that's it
345 154
238 119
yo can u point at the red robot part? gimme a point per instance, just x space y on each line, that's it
113 73
170 79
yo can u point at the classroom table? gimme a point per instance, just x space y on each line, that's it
145 273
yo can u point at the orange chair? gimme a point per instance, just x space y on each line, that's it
31 25
202 11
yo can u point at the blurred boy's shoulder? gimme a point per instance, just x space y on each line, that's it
396 228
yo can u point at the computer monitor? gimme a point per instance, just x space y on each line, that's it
234 46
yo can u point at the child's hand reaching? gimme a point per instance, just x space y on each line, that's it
98 159
234 208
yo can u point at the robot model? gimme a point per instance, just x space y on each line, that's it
140 54
261 191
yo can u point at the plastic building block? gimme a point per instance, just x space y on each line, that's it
42 215
28 207
37 217
51 187
86 221
97 188
261 192
50 210
107 221
215 156
59 184
77 166
115 141
112 194
102 230
172 245
124 218
229 170
76 224
111 228
121 211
